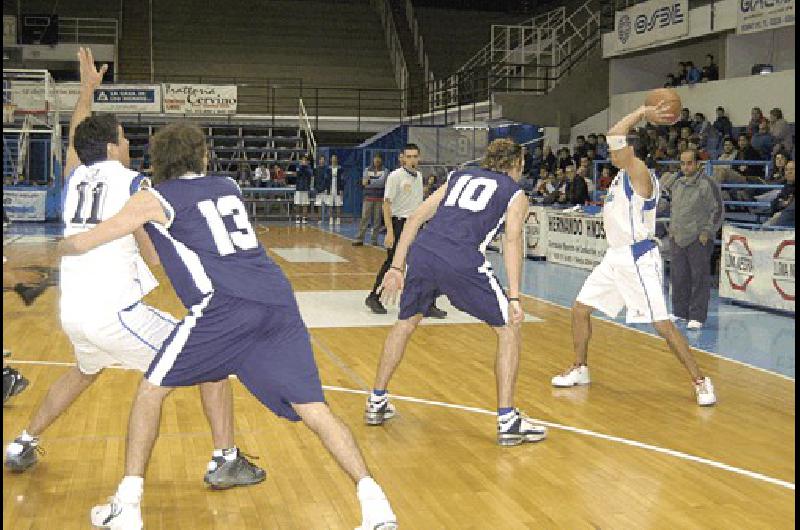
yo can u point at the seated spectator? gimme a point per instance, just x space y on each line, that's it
763 141
713 143
527 159
686 132
684 72
279 175
783 205
685 120
564 158
694 144
605 178
591 141
672 82
710 71
576 191
701 127
587 166
651 138
549 159
723 124
602 147
693 74
672 137
780 130
580 147
536 161
777 174
748 152
756 117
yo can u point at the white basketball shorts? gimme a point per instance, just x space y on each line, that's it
130 337
620 281
301 198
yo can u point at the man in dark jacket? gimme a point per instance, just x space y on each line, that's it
577 191
302 189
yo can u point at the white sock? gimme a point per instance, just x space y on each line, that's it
368 489
25 437
130 489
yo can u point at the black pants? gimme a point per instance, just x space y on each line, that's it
397 227
690 272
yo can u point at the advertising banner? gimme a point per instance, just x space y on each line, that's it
649 22
758 267
536 232
575 239
758 15
24 205
182 98
127 98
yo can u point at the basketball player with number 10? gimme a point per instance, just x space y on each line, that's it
449 257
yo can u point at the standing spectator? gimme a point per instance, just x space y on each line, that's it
549 159
402 196
723 124
756 117
710 71
318 184
696 215
602 147
374 182
333 189
780 130
302 189
693 74
685 120
763 141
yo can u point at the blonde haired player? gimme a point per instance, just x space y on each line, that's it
630 273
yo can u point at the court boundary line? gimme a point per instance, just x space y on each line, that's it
614 322
576 430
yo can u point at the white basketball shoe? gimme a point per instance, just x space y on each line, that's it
576 375
118 515
705 392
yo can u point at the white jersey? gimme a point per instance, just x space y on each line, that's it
627 217
112 276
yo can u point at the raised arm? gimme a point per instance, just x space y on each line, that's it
91 78
143 207
622 155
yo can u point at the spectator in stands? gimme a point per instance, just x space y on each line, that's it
756 117
685 120
763 141
605 178
694 145
576 191
696 215
580 147
549 159
710 71
557 187
672 137
564 158
683 145
302 190
686 132
783 205
545 187
373 181
243 174
602 147
587 165
780 130
591 141
748 152
701 126
536 161
261 176
279 175
651 138
723 124
693 74
684 72
778 173
527 159
672 81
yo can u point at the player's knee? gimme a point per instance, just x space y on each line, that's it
314 414
151 392
581 310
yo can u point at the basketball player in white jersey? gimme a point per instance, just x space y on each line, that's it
630 273
101 291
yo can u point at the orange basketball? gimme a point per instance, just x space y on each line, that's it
654 97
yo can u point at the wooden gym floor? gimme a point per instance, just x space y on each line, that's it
630 451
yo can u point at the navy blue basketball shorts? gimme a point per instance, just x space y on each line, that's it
474 291
266 346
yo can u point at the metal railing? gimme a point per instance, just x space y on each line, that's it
305 127
393 43
419 41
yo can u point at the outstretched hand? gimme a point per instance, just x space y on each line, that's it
91 77
391 286
661 113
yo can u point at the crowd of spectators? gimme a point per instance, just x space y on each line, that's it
689 74
550 176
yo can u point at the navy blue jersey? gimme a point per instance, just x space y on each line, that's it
208 244
469 216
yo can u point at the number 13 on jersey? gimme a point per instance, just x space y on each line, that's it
243 238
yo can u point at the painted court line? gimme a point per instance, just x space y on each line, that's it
576 430
619 324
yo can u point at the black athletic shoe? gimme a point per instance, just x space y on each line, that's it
374 303
13 383
223 474
21 454
435 312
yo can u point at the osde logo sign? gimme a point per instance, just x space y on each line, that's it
660 18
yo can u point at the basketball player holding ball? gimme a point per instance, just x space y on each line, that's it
630 273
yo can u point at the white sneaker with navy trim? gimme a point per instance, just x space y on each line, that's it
704 391
514 428
577 375
118 515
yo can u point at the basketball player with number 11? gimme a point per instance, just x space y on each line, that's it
449 257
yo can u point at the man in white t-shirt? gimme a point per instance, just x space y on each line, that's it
101 291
